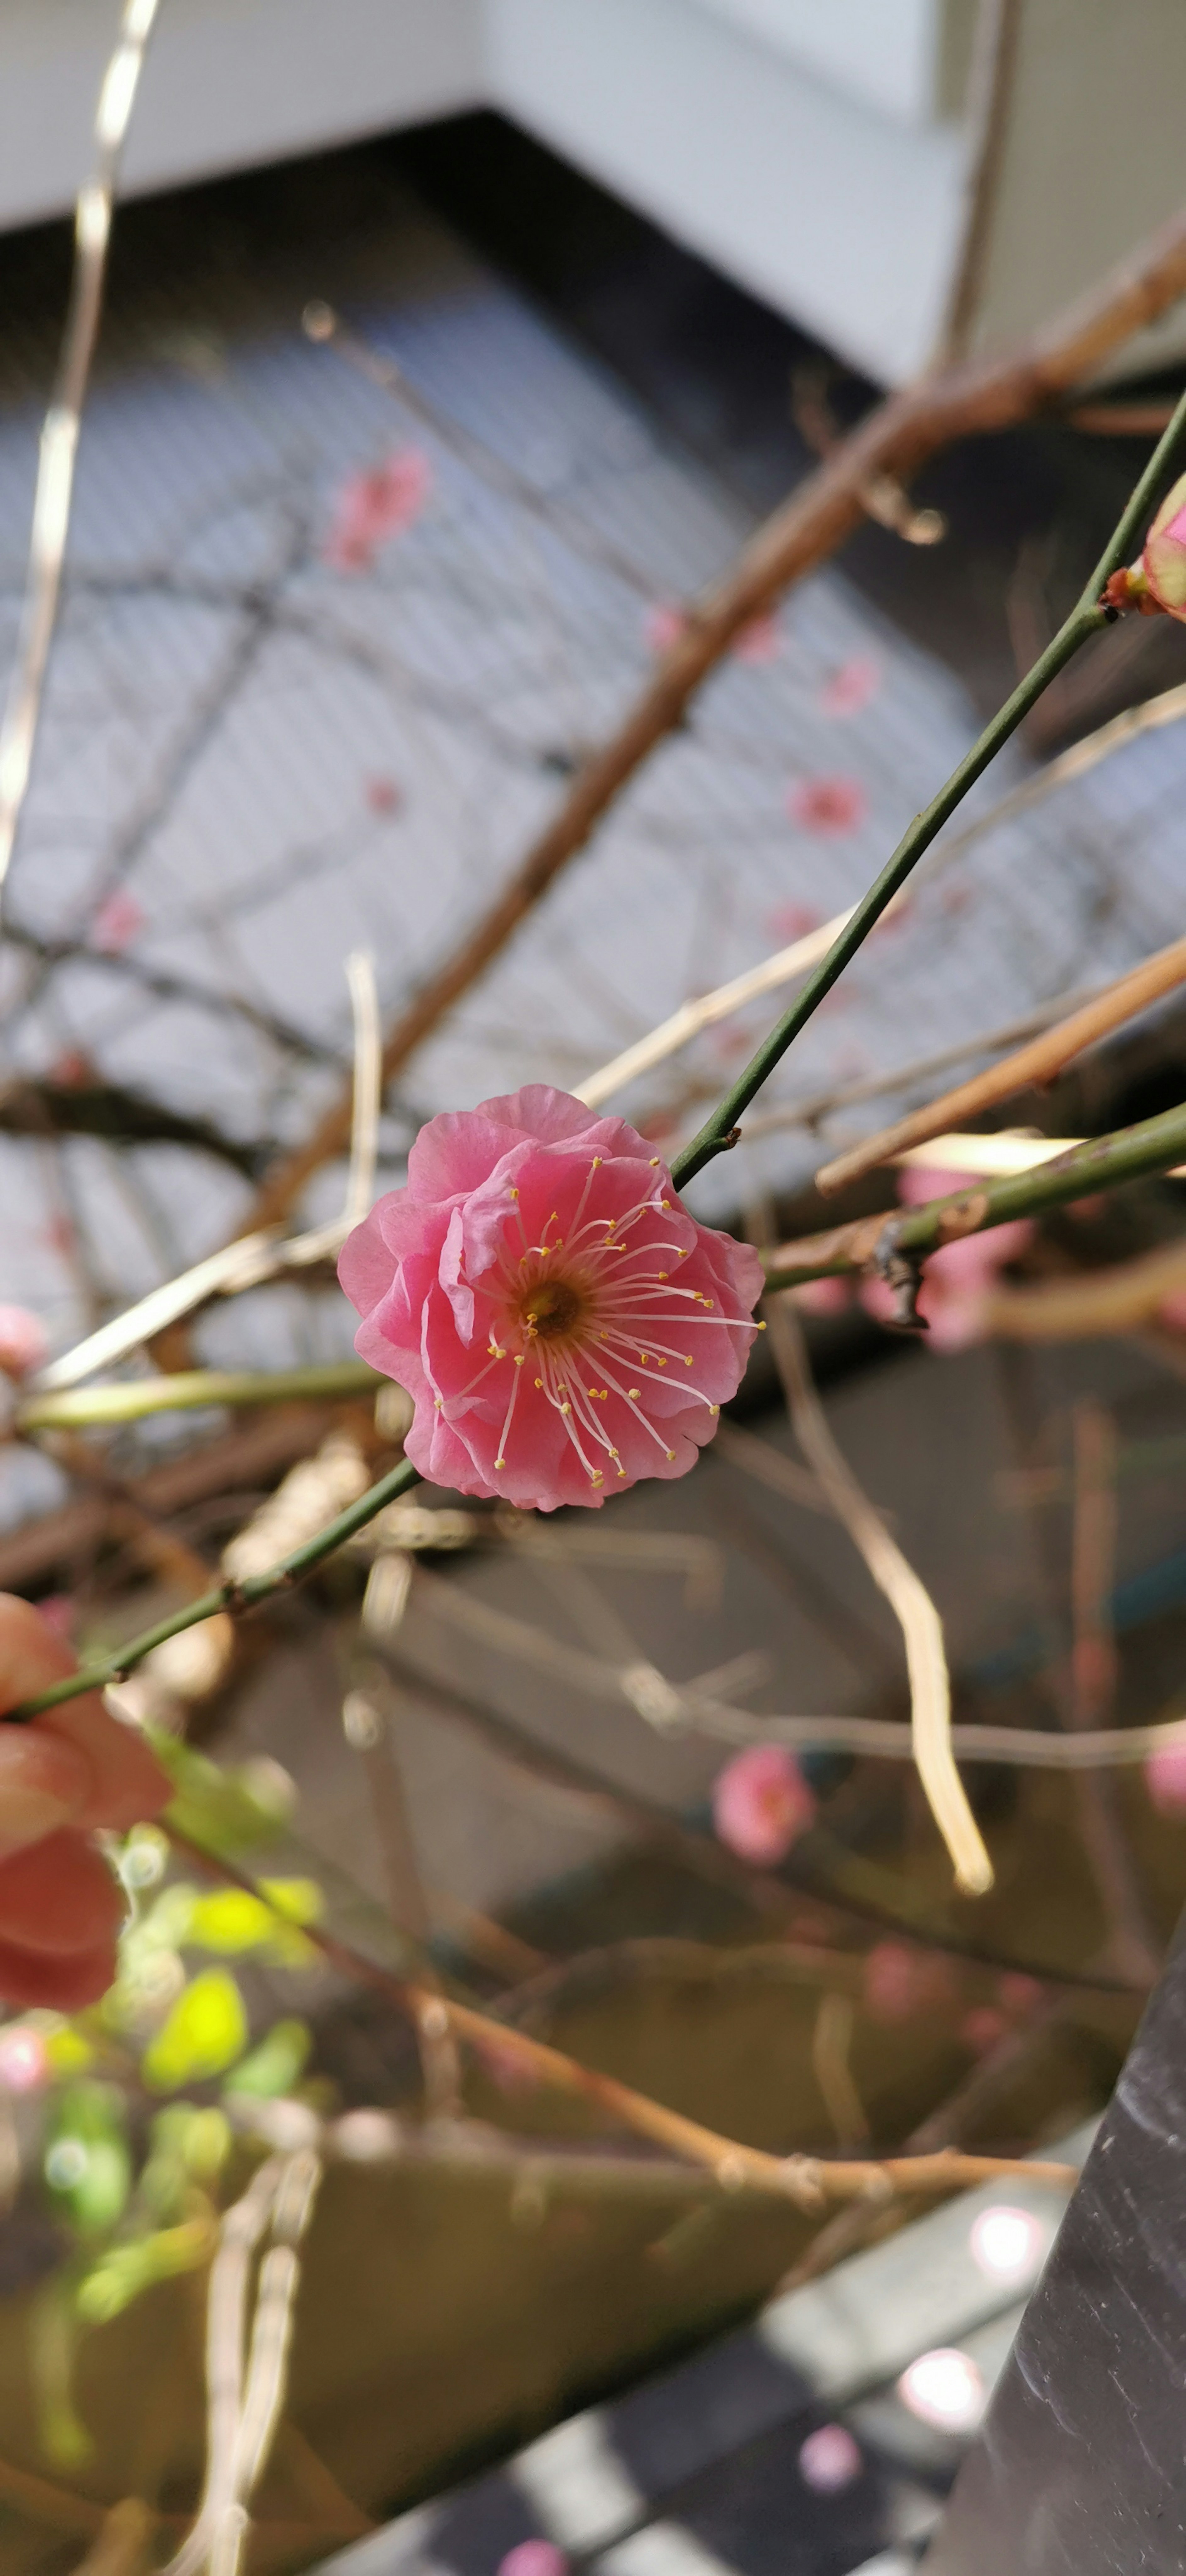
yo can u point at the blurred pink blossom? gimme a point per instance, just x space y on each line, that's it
851 687
761 1804
900 1981
375 505
116 923
534 2558
24 2061
383 795
1172 1311
1165 1778
562 1324
829 806
830 2459
24 1342
957 1280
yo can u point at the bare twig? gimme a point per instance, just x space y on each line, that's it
59 436
691 1017
896 438
926 1660
1036 1063
807 2182
831 2059
1090 1302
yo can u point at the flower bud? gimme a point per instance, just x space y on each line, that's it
1157 583
1164 559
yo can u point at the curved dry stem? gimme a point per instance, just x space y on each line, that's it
922 1631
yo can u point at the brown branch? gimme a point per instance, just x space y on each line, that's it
1036 1063
895 439
1117 1300
807 2182
240 1459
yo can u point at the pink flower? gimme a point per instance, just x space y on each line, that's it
900 1982
116 923
24 1342
761 1804
534 2558
1165 1778
663 626
59 1613
553 1311
1164 559
24 2062
383 795
829 806
851 687
760 641
1172 1311
375 505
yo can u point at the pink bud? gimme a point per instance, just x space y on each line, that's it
24 1342
761 1804
1165 1778
663 626
1164 559
851 686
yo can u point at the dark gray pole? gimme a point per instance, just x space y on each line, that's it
1081 2467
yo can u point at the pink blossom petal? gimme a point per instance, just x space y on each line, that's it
761 1804
563 1325
829 806
823 1296
383 795
851 687
24 1342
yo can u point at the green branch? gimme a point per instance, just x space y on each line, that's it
1086 618
1130 1154
243 1595
77 1407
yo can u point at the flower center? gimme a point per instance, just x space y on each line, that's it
550 1309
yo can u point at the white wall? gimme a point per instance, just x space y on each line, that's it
226 83
884 52
842 217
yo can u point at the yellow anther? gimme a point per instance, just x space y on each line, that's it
518 1359
634 1390
670 1453
500 1462
688 1359
655 1161
539 1381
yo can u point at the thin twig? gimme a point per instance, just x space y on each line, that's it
1036 1063
1153 1147
63 420
922 1633
987 110
192 1391
896 438
691 1017
808 2182
1088 617
1091 1302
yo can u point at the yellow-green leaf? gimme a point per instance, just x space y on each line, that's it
204 2034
